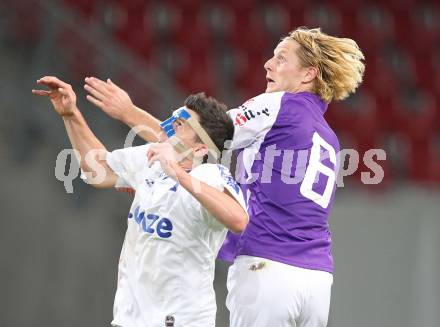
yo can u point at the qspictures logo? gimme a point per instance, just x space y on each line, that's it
295 166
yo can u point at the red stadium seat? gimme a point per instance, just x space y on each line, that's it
425 31
199 39
396 164
414 112
375 27
419 160
217 18
135 34
248 33
169 58
357 115
198 74
434 161
189 7
325 16
27 28
251 75
81 55
275 19
381 80
126 20
401 5
229 64
293 5
392 66
403 23
164 19
139 94
344 6
85 7
425 75
366 146
132 5
239 6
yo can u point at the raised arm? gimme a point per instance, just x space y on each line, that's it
116 103
221 205
92 152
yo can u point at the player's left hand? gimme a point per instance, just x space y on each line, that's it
107 96
167 156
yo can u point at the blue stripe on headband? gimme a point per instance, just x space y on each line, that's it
167 125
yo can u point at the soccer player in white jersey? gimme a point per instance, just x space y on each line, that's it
179 216
283 265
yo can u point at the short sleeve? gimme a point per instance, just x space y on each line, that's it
254 118
219 177
128 164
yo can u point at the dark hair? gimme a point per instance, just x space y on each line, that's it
213 118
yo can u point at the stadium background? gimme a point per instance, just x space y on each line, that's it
59 251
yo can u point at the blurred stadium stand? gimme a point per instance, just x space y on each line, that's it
220 47
57 246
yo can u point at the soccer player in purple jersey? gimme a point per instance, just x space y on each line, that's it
282 271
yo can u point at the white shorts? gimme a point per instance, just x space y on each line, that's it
266 293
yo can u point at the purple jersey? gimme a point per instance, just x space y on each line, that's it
287 170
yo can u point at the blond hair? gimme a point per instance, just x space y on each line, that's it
338 61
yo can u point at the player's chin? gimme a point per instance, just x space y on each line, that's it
270 88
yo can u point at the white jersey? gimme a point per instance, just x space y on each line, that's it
167 261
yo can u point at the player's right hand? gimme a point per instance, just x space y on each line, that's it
113 100
61 95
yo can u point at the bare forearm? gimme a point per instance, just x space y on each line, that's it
147 126
221 205
92 151
80 135
63 99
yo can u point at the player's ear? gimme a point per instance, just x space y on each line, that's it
310 74
200 150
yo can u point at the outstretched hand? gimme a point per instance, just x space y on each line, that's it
61 95
113 100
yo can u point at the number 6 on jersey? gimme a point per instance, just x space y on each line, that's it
316 167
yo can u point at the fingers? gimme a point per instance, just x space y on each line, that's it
98 85
153 150
53 82
94 89
96 102
153 154
41 92
150 154
62 91
153 158
65 92
112 85
160 152
98 95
